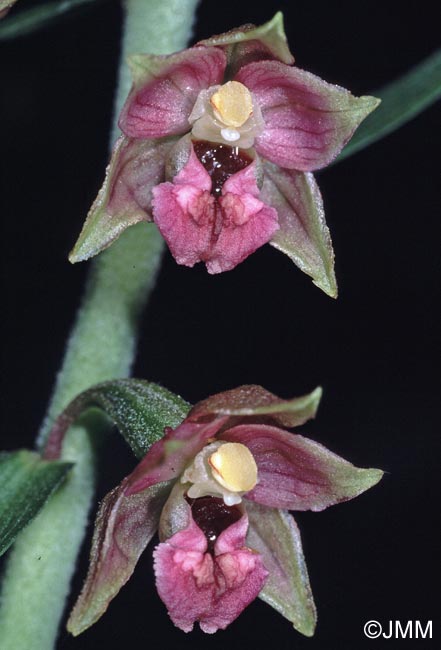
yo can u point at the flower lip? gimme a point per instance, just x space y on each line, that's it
213 516
220 161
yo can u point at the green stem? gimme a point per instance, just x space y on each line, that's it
101 346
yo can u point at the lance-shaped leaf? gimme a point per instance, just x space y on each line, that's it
41 16
257 402
313 477
250 43
303 234
26 482
274 534
123 528
141 410
401 100
135 168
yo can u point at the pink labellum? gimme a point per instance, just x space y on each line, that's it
213 589
198 226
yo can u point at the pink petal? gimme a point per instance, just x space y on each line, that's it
197 227
125 198
295 473
166 88
197 586
124 526
168 457
307 121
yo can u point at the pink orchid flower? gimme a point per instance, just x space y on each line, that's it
219 488
219 142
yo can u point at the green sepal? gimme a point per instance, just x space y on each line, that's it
275 535
124 526
124 199
257 402
271 35
26 482
303 234
141 410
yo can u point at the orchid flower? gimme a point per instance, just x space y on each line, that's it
218 488
218 145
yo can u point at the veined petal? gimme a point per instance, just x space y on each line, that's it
275 535
296 473
165 89
123 528
257 402
307 120
198 586
250 43
125 198
303 234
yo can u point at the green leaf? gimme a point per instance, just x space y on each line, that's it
401 100
26 482
139 409
274 534
30 20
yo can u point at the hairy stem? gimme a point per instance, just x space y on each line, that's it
101 346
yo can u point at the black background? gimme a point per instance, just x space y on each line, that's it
373 350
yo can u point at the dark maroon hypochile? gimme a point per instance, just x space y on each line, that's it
221 161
